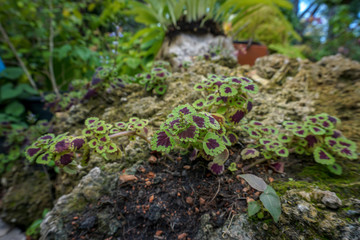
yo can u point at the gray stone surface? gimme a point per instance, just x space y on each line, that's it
10 233
184 47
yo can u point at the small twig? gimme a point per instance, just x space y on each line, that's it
51 50
254 164
216 192
22 64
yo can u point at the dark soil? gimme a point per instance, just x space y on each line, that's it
166 202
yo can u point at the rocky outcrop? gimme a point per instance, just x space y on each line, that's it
90 189
286 93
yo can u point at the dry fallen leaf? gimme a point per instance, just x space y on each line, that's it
127 178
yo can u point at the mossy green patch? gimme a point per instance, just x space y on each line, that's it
346 185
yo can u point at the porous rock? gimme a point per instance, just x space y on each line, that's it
90 188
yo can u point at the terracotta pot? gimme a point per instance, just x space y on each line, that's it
248 55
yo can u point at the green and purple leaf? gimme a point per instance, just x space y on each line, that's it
91 121
299 150
254 133
283 138
265 141
249 153
184 109
199 87
347 152
93 143
77 143
32 152
162 142
227 90
316 130
213 144
302 132
199 104
346 143
101 148
189 134
87 132
250 88
232 137
161 89
215 168
282 152
62 145
311 141
66 159
335 168
323 157
44 158
237 116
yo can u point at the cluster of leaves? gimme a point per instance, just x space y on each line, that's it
202 131
155 80
105 79
229 96
76 92
97 137
12 97
267 139
318 136
269 198
28 22
33 231
15 141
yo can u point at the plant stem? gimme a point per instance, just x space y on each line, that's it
51 50
254 164
22 65
120 134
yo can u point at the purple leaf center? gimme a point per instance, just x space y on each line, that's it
163 139
32 151
199 121
212 143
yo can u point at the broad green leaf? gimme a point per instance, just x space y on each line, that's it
254 181
12 73
253 208
8 92
271 202
15 109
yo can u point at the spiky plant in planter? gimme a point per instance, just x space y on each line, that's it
97 137
155 80
319 137
201 131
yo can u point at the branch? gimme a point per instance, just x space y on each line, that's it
22 64
51 49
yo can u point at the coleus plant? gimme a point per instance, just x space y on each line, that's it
106 78
318 136
97 137
267 140
228 96
154 81
201 131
